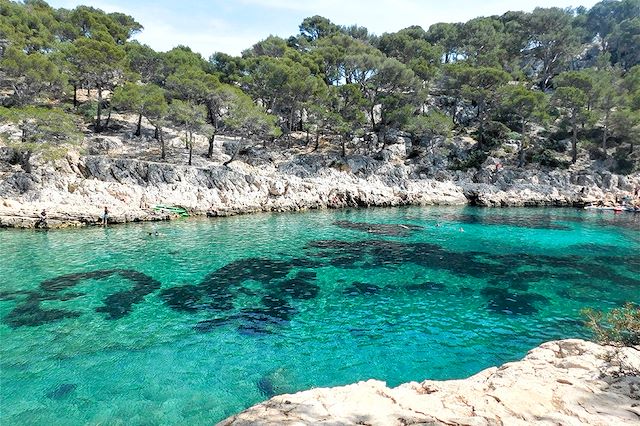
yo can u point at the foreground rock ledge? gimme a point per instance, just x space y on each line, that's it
567 382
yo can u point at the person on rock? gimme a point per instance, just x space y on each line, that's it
105 216
42 222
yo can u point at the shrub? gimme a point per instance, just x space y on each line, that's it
625 163
474 160
620 326
547 158
495 134
515 136
558 145
88 110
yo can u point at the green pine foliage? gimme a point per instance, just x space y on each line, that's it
568 73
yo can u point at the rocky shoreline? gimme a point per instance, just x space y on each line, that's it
565 382
75 190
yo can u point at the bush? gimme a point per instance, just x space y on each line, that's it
556 145
620 326
88 110
495 134
595 153
515 136
474 160
547 158
625 162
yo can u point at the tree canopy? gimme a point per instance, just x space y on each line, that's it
548 67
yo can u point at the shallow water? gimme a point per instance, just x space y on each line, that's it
116 326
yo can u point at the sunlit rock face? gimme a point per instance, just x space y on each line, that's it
75 190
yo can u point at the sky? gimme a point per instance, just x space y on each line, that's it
230 26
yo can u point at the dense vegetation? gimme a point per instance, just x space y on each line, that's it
532 79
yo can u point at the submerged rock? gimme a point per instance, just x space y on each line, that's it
61 391
562 382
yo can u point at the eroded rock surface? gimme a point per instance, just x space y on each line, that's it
568 382
74 190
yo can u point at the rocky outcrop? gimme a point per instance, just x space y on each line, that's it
76 189
566 382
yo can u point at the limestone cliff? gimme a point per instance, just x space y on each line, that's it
75 189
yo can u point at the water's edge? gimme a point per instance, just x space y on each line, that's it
76 191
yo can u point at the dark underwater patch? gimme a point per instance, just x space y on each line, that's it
532 222
184 298
359 289
389 230
300 287
116 305
427 286
61 391
70 280
507 302
30 314
258 269
266 387
211 324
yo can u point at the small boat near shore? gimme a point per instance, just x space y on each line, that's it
614 208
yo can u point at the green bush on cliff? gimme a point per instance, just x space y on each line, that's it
620 326
44 131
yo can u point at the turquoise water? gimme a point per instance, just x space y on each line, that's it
116 326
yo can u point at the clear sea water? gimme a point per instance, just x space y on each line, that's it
116 326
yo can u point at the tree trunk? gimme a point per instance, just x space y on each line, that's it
291 118
98 128
373 119
522 144
344 147
235 152
317 145
212 140
162 146
139 127
190 146
382 136
454 110
605 134
156 136
574 138
75 95
106 124
24 161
